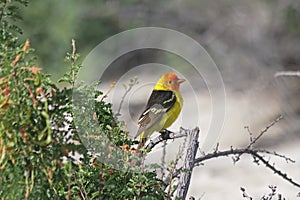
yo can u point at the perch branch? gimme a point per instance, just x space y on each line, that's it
166 135
185 177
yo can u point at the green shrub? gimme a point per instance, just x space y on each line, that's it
38 134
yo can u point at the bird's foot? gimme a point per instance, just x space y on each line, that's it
165 134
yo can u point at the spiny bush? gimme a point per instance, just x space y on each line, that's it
38 134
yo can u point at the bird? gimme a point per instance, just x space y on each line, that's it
163 107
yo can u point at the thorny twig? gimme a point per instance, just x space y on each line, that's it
264 197
262 132
287 159
280 117
250 133
255 153
271 194
245 195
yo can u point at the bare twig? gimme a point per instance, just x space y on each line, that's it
287 73
185 177
250 133
287 159
255 153
269 196
280 117
262 132
245 195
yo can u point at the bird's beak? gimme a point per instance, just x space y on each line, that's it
180 81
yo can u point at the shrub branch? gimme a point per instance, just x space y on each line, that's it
256 153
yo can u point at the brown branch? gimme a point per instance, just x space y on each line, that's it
185 177
254 153
166 135
35 102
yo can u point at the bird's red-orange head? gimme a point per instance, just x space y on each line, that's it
169 81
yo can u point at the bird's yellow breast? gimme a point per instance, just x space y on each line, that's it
173 113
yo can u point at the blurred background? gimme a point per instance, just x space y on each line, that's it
248 40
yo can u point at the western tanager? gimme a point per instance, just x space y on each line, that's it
163 107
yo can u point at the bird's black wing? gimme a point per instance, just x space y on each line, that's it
160 102
165 98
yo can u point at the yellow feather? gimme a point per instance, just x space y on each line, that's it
173 113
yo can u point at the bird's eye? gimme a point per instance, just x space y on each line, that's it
170 82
